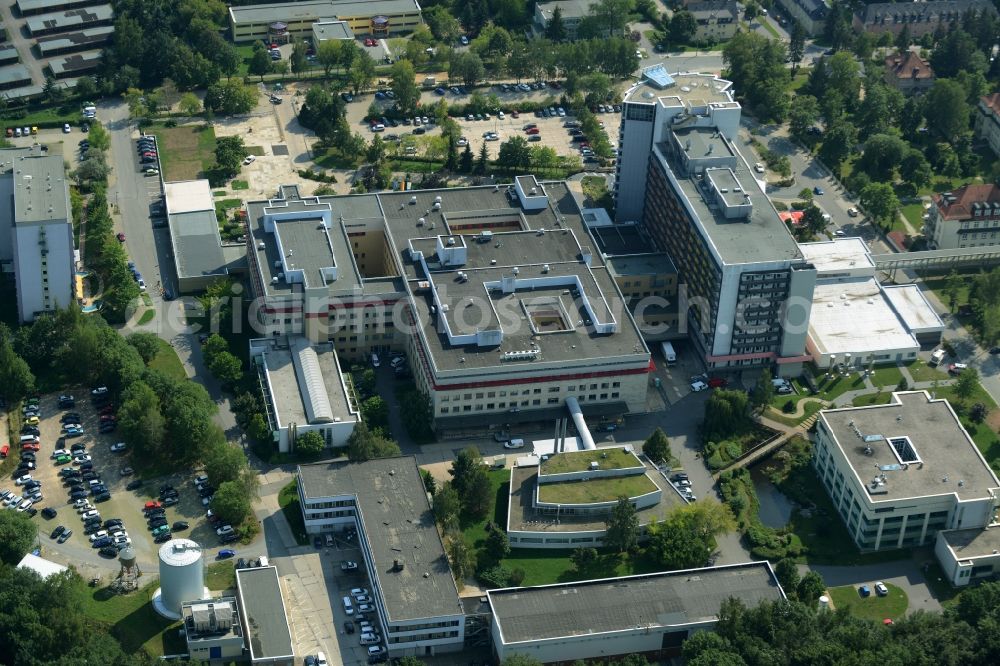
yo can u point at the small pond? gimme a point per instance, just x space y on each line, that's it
775 509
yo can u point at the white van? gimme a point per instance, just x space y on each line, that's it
29 439
370 639
937 356
668 353
348 607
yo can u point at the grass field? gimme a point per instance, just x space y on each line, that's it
595 490
186 153
147 317
220 576
288 499
914 215
921 372
240 185
131 619
167 361
874 608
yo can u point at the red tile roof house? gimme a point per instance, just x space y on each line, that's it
908 73
965 217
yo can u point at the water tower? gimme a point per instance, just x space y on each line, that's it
128 576
182 577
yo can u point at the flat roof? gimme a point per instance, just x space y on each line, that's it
327 9
194 229
973 542
307 245
263 607
40 565
75 62
12 73
655 263
853 316
762 236
290 390
949 462
839 254
399 526
100 34
913 308
655 85
580 461
70 18
8 53
323 30
571 9
522 515
186 196
630 603
40 192
35 5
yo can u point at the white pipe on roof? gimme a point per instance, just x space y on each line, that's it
581 426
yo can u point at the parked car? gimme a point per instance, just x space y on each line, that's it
880 589
65 536
698 386
225 554
957 368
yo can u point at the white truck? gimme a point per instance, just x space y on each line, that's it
937 356
668 353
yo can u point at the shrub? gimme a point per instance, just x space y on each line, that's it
788 407
498 576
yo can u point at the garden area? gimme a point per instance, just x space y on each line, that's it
229 213
728 431
288 500
131 619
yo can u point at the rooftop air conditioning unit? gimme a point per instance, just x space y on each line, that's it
261 245
413 200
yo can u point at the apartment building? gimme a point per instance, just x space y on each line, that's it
495 293
417 605
715 20
36 233
908 73
379 18
572 12
920 18
748 287
810 14
966 217
902 472
988 121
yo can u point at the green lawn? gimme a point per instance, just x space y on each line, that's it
579 461
595 490
887 376
186 153
240 185
882 398
288 499
220 576
131 619
914 215
771 29
921 372
147 317
167 361
874 607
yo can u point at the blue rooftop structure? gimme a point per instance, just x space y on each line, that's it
658 76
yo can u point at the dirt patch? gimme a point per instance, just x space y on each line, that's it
993 420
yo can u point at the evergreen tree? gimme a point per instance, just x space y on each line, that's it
483 161
465 161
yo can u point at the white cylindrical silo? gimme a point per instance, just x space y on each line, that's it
182 574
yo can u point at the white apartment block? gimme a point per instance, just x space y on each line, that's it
36 233
966 217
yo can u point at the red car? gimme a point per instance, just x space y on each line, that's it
717 382
152 505
533 130
30 446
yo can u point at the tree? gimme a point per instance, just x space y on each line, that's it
882 154
447 507
468 67
361 73
682 27
946 110
147 344
229 154
797 43
953 286
788 575
363 444
802 116
763 392
430 483
612 15
190 104
756 65
17 536
657 447
404 85
497 544
622 526
483 160
224 463
957 52
231 503
310 444
726 414
16 378
514 154
879 199
328 54
298 62
375 412
442 24
227 368
916 170
584 558
967 384
141 422
810 588
230 98
260 61
465 161
672 546
460 558
556 29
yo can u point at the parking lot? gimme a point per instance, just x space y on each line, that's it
124 504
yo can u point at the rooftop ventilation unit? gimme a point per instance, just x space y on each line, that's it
545 268
261 245
451 241
413 200
420 222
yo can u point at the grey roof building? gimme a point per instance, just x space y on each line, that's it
194 234
263 615
919 18
647 614
384 499
71 19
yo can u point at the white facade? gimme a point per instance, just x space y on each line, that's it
182 573
969 556
889 501
36 234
